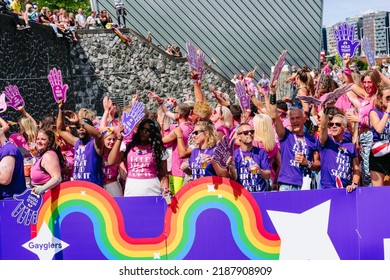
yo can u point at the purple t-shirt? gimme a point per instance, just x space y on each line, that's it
195 162
243 161
385 135
336 161
18 181
87 163
291 172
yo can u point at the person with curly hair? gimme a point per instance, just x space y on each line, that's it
146 161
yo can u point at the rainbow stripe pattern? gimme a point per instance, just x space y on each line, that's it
176 239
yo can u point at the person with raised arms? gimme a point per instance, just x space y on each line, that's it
299 151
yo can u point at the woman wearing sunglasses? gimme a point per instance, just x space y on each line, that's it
146 161
205 141
380 122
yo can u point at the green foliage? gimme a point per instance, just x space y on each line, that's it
69 5
361 65
338 60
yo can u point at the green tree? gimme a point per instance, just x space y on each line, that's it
69 5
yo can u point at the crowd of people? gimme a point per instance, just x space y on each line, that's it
63 23
279 145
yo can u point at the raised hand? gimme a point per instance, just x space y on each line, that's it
14 98
243 98
223 151
3 104
344 35
279 66
370 54
57 87
27 210
107 103
153 95
131 119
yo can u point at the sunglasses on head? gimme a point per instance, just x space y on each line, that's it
246 132
196 132
334 123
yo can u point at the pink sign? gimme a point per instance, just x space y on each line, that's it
57 87
15 100
279 66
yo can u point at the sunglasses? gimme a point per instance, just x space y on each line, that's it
196 132
334 123
246 132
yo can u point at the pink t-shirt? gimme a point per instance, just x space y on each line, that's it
176 160
18 140
38 176
141 163
364 112
110 172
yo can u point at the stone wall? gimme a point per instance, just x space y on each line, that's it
99 64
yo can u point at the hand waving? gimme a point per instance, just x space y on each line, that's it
57 87
130 120
27 210
370 54
243 98
14 98
344 36
223 151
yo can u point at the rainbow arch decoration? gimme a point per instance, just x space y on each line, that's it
179 233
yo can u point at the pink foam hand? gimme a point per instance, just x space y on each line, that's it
310 100
336 94
3 104
131 119
15 100
243 98
57 87
279 66
192 56
223 151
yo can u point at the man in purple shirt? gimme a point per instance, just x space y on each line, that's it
88 147
299 150
252 165
340 163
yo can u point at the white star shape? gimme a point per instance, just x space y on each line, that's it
304 235
220 196
83 193
45 245
210 188
156 256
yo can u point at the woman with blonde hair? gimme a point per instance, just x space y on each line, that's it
265 138
27 131
223 121
200 163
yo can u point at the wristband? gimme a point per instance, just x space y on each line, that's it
272 99
347 71
161 103
59 110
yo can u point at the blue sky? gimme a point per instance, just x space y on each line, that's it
337 10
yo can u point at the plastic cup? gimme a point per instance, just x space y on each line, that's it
167 198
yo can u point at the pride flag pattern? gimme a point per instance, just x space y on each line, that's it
179 233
